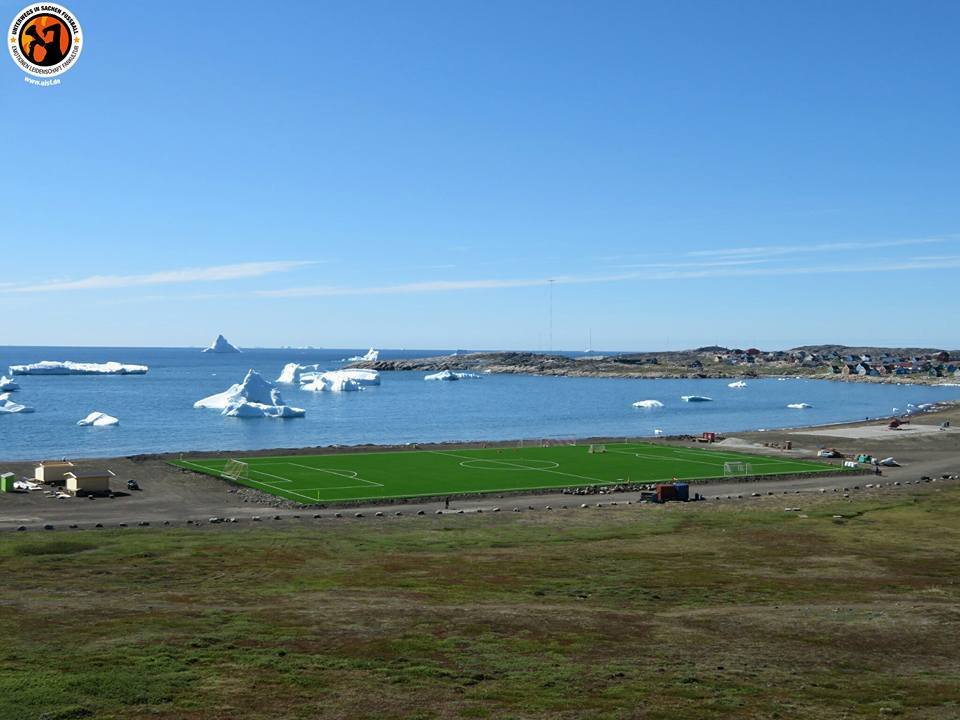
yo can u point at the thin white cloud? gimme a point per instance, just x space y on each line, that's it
651 275
699 264
216 273
780 250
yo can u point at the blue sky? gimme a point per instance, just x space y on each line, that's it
411 174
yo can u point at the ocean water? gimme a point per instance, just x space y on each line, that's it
157 415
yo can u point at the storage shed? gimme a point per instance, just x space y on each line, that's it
89 482
666 493
52 470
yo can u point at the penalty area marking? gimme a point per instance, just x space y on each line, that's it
518 467
346 474
477 464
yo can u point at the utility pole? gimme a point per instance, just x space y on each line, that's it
551 314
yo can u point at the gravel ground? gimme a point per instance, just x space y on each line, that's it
172 496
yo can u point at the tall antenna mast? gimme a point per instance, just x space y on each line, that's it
551 314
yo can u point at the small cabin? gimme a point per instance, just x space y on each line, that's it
89 482
50 471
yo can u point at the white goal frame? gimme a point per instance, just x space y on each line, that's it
595 449
236 470
735 468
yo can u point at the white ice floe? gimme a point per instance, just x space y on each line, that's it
9 406
371 356
696 398
737 384
98 419
220 345
338 380
648 404
292 373
448 375
254 397
799 406
52 367
7 384
327 382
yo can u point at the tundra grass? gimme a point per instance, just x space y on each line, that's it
720 610
370 476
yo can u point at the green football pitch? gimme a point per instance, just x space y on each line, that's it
413 473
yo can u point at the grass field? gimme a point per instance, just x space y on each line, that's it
370 476
701 611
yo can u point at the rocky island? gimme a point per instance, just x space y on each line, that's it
837 362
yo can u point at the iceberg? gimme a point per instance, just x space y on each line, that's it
737 384
448 375
9 406
371 356
7 384
330 382
98 419
254 397
292 372
695 398
799 406
339 380
220 345
52 367
648 404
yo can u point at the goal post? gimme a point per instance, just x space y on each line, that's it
595 449
737 468
236 470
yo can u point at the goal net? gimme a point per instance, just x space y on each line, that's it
737 468
236 470
597 449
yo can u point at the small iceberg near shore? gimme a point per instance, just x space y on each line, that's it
448 376
799 406
371 356
221 345
52 367
648 404
98 419
737 384
252 398
696 398
338 380
292 372
9 406
8 384
331 382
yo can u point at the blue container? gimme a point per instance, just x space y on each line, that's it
683 491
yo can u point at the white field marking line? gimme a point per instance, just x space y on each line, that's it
663 458
551 464
282 490
735 457
338 474
353 475
523 467
690 451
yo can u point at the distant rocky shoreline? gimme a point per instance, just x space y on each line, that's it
704 363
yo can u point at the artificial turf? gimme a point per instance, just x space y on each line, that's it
418 473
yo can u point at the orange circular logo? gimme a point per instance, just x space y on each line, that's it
45 40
